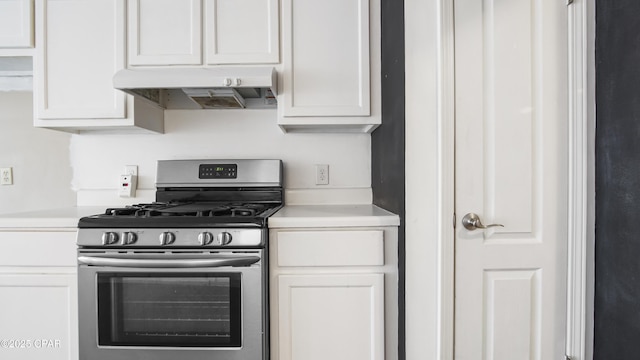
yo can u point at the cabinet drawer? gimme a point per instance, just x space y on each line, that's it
330 248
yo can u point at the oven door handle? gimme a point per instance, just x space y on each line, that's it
168 263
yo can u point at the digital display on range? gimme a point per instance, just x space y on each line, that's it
218 171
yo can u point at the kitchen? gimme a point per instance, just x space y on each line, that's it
88 166
423 336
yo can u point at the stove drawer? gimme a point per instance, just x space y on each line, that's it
330 248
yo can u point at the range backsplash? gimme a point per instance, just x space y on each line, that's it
98 159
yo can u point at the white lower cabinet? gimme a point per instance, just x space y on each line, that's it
38 312
331 316
38 296
333 294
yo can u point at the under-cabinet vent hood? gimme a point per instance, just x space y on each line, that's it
202 88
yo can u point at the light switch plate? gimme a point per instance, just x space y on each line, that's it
131 170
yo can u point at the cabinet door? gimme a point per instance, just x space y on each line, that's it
16 23
326 58
338 317
241 31
165 32
38 315
80 47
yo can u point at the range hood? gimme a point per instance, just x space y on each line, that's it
202 88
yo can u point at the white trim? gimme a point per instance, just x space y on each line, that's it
590 55
581 227
422 223
446 179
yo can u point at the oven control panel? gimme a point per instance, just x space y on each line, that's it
218 171
161 238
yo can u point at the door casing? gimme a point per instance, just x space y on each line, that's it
429 105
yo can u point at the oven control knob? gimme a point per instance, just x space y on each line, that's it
109 238
167 238
128 238
205 238
224 238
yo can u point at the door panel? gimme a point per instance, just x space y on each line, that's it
511 305
511 169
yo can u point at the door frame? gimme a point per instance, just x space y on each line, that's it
429 108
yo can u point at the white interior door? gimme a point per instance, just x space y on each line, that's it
511 169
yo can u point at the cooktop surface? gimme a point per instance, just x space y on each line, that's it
183 214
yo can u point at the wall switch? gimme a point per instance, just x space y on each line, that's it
6 176
131 170
322 174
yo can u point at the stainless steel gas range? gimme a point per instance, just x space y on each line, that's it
184 277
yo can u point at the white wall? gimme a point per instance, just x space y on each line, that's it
39 158
98 159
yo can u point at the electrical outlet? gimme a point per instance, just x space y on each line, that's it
322 174
6 176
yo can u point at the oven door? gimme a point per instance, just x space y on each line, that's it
156 305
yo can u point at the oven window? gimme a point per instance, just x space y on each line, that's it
172 310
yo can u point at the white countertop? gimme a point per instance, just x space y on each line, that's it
52 218
288 217
332 216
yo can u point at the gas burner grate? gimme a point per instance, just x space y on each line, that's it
195 209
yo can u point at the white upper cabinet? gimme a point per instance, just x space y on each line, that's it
165 32
326 66
242 31
80 48
179 32
16 24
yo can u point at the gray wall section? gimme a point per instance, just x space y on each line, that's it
617 247
387 142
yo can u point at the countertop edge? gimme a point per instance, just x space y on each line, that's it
326 216
290 216
60 219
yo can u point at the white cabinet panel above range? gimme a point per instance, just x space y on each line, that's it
165 32
179 32
242 31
